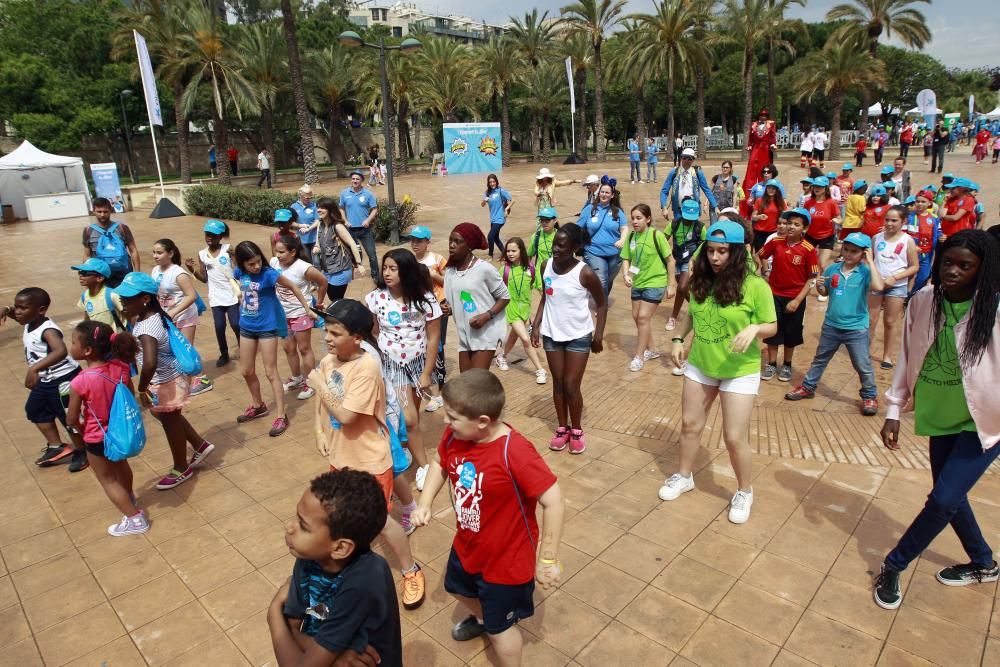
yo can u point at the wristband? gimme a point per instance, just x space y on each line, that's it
549 561
677 340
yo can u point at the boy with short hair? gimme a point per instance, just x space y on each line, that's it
847 283
50 369
794 265
98 301
340 600
498 478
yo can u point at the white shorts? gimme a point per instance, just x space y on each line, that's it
747 384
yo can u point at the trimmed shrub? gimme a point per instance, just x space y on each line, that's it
257 206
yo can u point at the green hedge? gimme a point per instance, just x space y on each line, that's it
257 206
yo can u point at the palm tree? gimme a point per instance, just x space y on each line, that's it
534 37
595 18
499 65
624 63
706 17
299 93
832 71
867 20
446 80
329 85
577 47
545 86
212 60
265 66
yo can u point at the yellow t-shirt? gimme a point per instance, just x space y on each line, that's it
364 443
96 307
855 212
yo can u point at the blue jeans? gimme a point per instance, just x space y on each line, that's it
957 463
856 342
366 237
634 172
606 268
651 171
493 239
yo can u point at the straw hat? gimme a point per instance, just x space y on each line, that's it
544 173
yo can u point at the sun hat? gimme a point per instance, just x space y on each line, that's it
420 232
214 227
797 211
544 173
352 314
136 283
858 239
94 265
282 215
593 179
690 209
688 152
858 184
547 212
732 232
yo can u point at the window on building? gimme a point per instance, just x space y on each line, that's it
375 14
397 31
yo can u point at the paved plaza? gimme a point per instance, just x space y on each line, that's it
645 582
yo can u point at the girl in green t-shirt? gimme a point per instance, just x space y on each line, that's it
729 310
644 257
518 275
540 244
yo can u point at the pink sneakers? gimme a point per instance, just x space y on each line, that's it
576 442
560 439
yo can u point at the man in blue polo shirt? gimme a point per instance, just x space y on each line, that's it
358 206
307 223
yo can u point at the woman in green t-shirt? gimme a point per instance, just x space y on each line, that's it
729 310
518 275
644 257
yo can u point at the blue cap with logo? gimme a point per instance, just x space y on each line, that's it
136 283
773 181
547 212
847 167
282 215
858 239
214 227
832 176
912 199
877 189
821 181
889 185
94 265
690 209
731 232
420 232
797 211
858 184
887 169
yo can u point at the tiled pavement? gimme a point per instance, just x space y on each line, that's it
645 582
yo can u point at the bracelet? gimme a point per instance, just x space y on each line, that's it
677 340
549 561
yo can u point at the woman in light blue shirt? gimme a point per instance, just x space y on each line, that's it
651 160
606 225
634 156
499 202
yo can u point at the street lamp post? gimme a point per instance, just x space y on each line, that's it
128 142
409 45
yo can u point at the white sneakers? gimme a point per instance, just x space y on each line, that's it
502 363
739 506
635 365
421 476
678 370
677 484
433 404
540 376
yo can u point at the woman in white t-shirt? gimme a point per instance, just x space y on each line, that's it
289 261
805 148
215 268
178 298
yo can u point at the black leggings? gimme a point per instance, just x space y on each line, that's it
335 292
219 315
493 239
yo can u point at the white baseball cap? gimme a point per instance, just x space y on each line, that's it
593 179
688 152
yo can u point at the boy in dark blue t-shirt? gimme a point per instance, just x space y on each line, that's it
341 600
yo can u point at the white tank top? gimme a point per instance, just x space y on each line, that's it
170 293
219 271
890 257
297 274
36 349
566 315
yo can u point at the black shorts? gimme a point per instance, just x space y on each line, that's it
95 449
822 244
46 404
789 324
819 154
503 604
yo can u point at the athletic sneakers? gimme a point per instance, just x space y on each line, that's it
279 426
78 461
434 404
869 407
963 575
223 360
635 365
414 587
406 523
174 478
769 372
502 363
785 374
739 506
54 455
650 354
671 324
468 628
292 383
201 385
799 393
421 476
201 453
887 594
252 412
560 439
577 445
129 525
540 376
675 485
678 371
306 393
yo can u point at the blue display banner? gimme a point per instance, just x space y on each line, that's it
106 184
472 148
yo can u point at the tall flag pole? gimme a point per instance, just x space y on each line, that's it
572 100
152 98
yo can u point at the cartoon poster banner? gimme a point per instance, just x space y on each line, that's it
472 148
106 184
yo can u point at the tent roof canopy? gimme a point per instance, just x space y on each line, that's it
27 156
994 114
916 110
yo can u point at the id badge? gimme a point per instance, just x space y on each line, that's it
634 270
685 254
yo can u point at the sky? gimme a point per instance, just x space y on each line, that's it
963 38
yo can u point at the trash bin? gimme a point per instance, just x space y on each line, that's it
8 214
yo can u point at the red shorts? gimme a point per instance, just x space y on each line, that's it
385 481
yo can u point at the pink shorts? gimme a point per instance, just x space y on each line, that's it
304 323
170 396
187 321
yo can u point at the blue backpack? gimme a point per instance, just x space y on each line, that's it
111 248
188 359
125 435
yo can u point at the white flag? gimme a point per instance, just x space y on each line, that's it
569 77
148 81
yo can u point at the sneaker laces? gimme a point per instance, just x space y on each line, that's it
410 583
250 411
740 500
676 479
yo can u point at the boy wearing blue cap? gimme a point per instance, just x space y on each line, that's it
98 301
847 284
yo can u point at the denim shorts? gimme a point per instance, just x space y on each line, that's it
649 294
258 335
581 344
899 290
682 267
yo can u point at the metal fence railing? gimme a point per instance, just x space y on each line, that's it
720 141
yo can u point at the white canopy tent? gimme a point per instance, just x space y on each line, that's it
915 111
995 114
874 110
28 170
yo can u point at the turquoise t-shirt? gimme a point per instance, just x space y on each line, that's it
648 251
848 305
939 405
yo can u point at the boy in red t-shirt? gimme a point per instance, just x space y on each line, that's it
497 479
859 151
794 265
959 208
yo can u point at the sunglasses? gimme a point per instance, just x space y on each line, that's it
765 171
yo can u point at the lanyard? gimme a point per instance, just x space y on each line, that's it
640 244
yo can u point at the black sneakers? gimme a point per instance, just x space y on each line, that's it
963 575
54 455
78 461
467 629
887 594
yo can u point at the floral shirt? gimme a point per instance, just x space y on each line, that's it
402 328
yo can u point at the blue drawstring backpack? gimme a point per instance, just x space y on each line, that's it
188 359
199 303
125 436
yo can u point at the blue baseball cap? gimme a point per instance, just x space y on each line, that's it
847 167
547 212
691 209
887 170
797 211
214 227
94 265
420 232
356 171
877 189
732 232
832 176
136 283
774 182
889 184
858 239
858 184
912 199
282 215
821 181
806 179
931 187
974 186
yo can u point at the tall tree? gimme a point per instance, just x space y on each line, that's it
299 93
596 18
265 66
499 64
624 63
545 87
868 20
446 80
329 86
534 36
